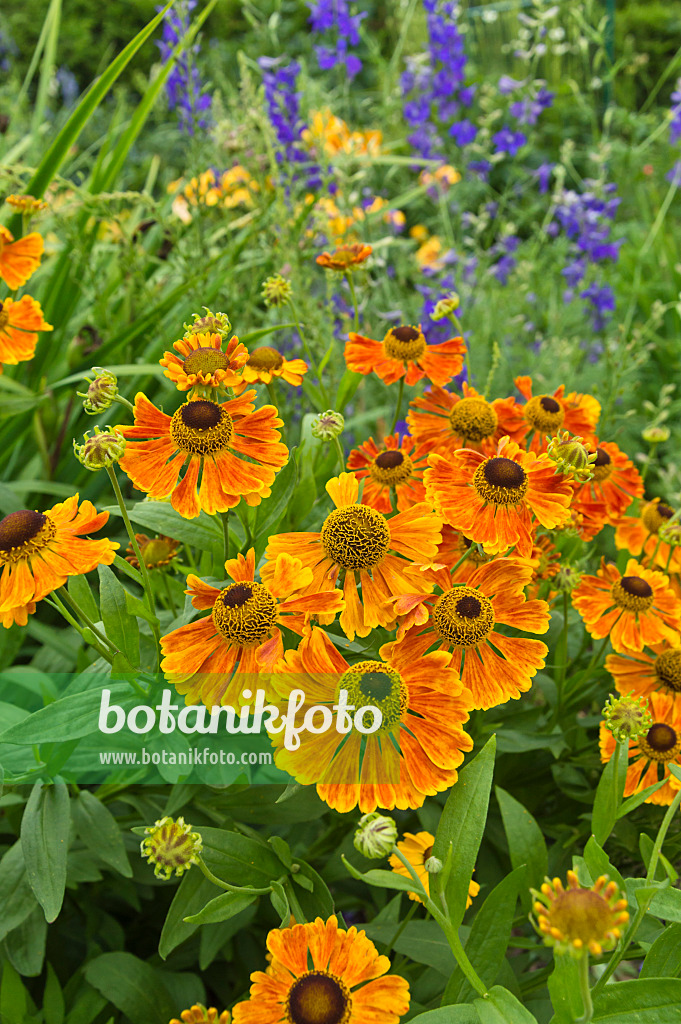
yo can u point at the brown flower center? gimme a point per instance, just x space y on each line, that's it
355 537
463 616
265 358
23 534
376 684
318 997
500 481
201 428
655 514
473 419
632 593
544 414
4 317
244 613
661 743
668 669
205 361
391 468
602 467
404 343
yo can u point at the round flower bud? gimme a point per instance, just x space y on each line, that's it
566 579
327 425
211 323
171 846
101 393
571 457
656 435
102 450
433 866
446 306
627 717
376 835
276 290
578 920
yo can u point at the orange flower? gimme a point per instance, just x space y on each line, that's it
20 259
418 746
345 257
465 618
394 469
615 483
199 1014
653 752
265 363
639 533
635 609
317 973
26 204
545 415
417 849
214 658
214 437
496 501
19 325
640 673
40 550
361 543
203 363
447 421
404 351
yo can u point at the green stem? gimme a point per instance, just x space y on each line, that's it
341 456
390 945
400 392
585 991
310 358
597 655
91 639
226 886
169 595
125 403
353 296
562 664
649 461
87 620
224 518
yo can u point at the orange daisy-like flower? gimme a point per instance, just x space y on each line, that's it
651 755
359 543
447 421
497 500
578 919
640 533
199 1014
465 619
634 610
345 257
545 415
417 849
40 550
404 351
321 974
615 482
203 363
214 658
214 438
19 259
396 469
641 673
19 325
420 741
265 363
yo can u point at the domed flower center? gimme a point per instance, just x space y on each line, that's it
245 613
265 358
23 534
318 998
632 593
655 514
389 460
637 587
473 419
582 914
4 317
201 428
500 481
205 361
355 537
375 684
661 743
544 414
463 616
158 551
668 669
405 343
602 467
391 468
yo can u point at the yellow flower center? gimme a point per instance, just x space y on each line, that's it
4 317
602 467
544 413
632 593
391 468
463 616
473 419
318 997
500 481
582 915
23 534
205 360
244 613
355 537
405 343
158 552
668 669
661 743
201 428
377 684
656 515
265 358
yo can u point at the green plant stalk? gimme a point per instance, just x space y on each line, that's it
125 403
226 885
83 630
86 619
341 456
224 519
308 352
166 587
353 296
398 406
403 924
585 991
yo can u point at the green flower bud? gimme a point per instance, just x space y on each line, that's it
102 450
566 579
327 425
656 435
376 835
276 290
446 306
101 393
571 457
171 846
627 717
433 866
211 323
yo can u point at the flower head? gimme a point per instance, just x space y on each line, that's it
375 836
655 434
395 468
202 362
28 205
209 323
571 457
265 363
199 1014
19 259
156 552
100 451
101 393
171 847
327 425
651 753
404 352
276 290
627 717
445 307
20 322
345 257
578 919
418 850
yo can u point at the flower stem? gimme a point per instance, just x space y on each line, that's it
353 296
341 456
308 352
87 620
224 517
226 886
400 392
125 403
92 640
585 991
166 587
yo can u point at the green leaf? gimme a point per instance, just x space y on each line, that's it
24 947
238 859
120 626
132 985
608 799
422 941
525 842
45 830
16 896
638 798
564 989
279 901
193 893
13 997
502 1007
663 959
69 718
53 999
318 901
448 1015
665 902
99 830
202 532
598 863
381 879
79 589
224 906
279 501
349 383
650 1001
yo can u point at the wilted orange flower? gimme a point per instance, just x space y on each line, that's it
367 548
545 415
418 746
417 849
638 534
19 325
156 552
265 363
319 973
465 619
651 755
214 438
345 257
496 500
19 259
641 673
214 658
634 610
40 550
615 482
203 362
447 421
404 350
395 468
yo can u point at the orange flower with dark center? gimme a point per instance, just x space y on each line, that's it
634 610
545 415
615 482
215 658
578 919
215 439
656 670
404 350
40 550
391 472
345 257
417 849
640 534
19 325
156 552
357 544
420 741
496 501
265 363
19 259
465 620
650 755
320 974
203 362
